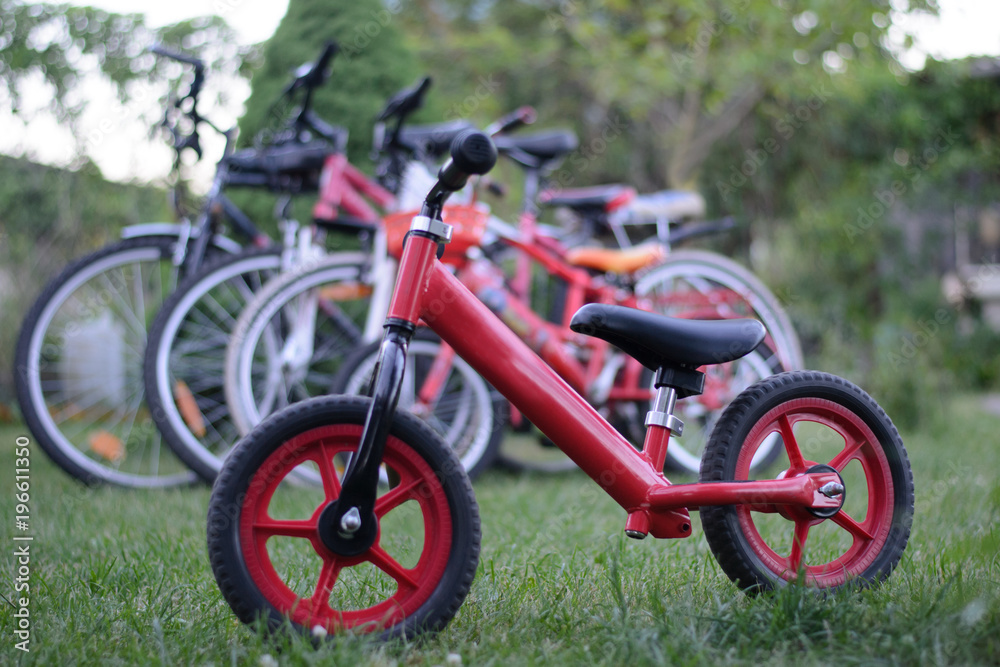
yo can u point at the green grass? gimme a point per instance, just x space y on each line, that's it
122 577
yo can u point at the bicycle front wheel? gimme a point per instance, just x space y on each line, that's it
79 366
270 547
291 338
183 364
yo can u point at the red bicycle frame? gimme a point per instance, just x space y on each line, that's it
427 291
343 186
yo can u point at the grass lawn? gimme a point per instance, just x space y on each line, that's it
121 577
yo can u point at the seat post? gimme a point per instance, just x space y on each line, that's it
662 412
661 423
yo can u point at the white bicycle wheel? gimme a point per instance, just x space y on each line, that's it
290 339
183 365
702 284
79 366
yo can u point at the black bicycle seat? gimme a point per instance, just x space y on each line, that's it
597 197
290 167
658 341
432 140
534 150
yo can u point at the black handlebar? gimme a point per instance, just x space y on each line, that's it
472 154
406 101
520 117
192 140
180 57
312 75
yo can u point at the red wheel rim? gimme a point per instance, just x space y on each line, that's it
867 537
414 585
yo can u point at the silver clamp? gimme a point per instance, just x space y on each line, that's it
666 420
439 230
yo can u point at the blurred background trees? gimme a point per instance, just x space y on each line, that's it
862 188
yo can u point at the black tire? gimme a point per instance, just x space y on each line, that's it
414 455
835 422
477 442
103 302
186 353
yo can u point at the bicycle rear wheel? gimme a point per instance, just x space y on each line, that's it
78 366
705 285
828 424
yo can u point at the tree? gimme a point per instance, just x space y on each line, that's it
682 73
372 65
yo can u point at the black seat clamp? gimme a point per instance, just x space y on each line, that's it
687 381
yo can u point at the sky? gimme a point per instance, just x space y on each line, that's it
963 27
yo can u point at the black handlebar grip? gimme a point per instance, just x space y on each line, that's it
472 153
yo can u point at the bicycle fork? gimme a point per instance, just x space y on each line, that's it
348 525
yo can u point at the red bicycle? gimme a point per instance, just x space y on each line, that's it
389 545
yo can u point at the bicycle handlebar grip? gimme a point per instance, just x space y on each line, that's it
518 117
472 153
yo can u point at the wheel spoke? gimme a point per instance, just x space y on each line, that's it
394 498
846 455
383 561
327 579
795 460
798 545
269 528
859 532
331 485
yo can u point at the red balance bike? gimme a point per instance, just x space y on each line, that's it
390 543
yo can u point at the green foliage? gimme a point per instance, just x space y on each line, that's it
49 217
681 75
853 198
372 65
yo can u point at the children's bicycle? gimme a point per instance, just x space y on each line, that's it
389 544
